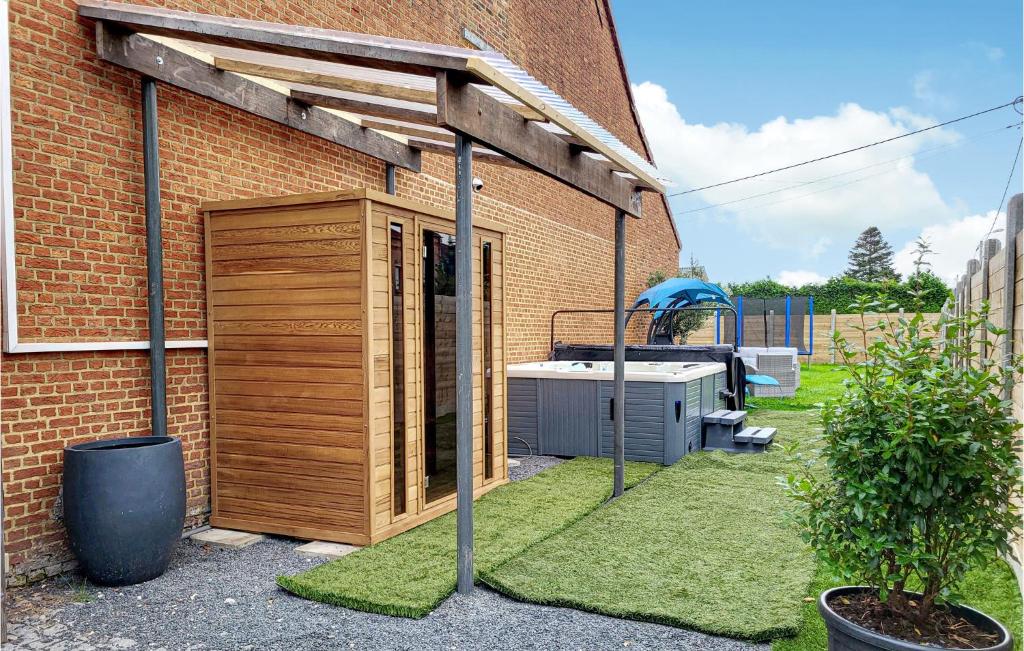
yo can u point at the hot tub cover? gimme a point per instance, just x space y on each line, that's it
680 292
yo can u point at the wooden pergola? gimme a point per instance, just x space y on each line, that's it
390 99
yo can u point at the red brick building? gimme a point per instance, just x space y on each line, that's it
75 366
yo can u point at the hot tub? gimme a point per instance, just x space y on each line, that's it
565 408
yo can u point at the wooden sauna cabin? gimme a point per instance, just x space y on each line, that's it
332 364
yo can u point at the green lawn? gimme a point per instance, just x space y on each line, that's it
702 545
410 574
817 383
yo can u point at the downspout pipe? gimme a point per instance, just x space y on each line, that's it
154 259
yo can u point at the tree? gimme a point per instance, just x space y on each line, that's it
686 323
871 258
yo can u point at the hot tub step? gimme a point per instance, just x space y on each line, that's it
733 418
747 435
764 436
713 417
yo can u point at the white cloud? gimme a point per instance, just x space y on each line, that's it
804 220
954 242
800 277
994 53
990 52
925 91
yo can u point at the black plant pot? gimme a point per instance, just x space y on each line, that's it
124 506
844 635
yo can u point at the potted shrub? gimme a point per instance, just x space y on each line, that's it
921 470
124 506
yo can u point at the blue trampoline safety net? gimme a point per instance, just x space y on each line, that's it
784 321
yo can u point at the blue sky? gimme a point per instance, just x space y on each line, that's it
727 89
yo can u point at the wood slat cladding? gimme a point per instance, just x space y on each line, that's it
301 341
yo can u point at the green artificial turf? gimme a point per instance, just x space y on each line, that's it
701 545
817 382
410 574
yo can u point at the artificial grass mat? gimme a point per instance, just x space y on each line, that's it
410 574
701 545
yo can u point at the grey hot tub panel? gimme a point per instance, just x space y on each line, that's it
566 407
522 417
573 417
645 421
693 416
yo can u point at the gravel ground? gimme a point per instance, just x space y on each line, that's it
220 599
530 466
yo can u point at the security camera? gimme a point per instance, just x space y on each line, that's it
478 184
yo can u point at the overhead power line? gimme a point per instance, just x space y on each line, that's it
848 151
800 184
1006 190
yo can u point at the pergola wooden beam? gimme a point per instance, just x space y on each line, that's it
333 82
481 156
411 131
348 105
465 109
305 42
168 65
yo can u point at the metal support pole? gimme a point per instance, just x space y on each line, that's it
739 321
389 178
718 327
769 335
464 358
619 357
154 259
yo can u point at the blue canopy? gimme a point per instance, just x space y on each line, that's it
680 292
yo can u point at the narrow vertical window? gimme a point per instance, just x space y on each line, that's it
398 367
488 358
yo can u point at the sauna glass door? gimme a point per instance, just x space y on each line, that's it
439 364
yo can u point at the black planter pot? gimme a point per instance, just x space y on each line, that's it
844 635
124 506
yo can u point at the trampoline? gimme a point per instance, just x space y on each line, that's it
768 322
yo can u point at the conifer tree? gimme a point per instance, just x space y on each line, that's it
871 258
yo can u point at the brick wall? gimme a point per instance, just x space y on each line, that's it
80 226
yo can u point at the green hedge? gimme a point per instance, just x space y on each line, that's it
841 292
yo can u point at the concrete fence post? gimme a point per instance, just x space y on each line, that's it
1014 217
988 249
831 337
